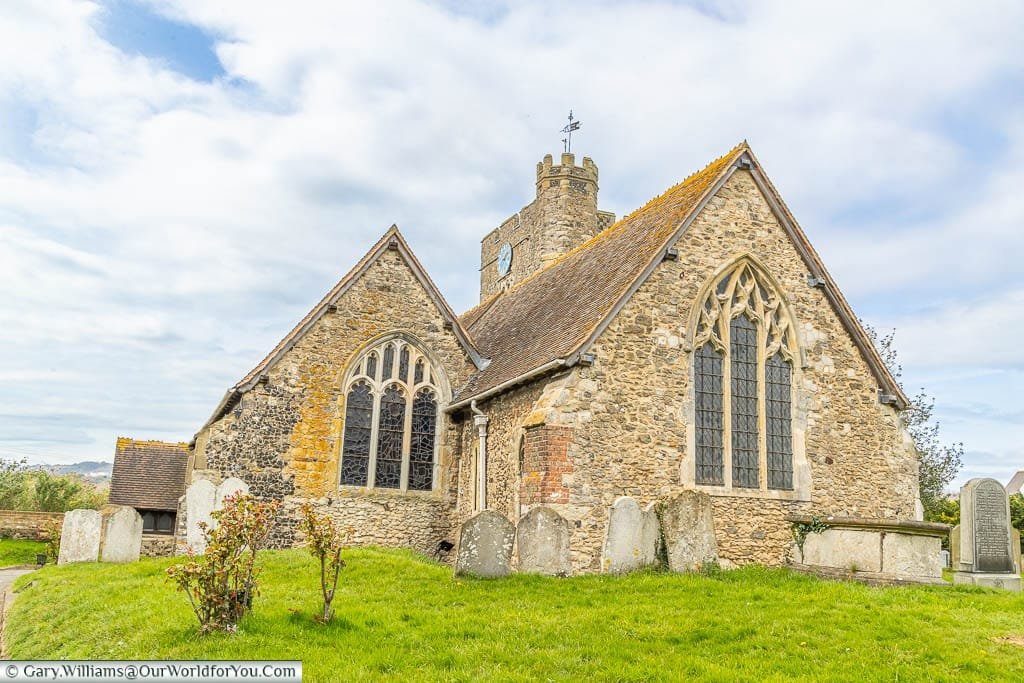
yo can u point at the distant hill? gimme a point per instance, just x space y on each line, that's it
90 469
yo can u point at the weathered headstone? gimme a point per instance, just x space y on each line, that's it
80 537
199 503
542 536
229 487
631 541
122 535
485 545
986 556
688 526
944 558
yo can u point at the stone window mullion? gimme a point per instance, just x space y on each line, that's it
371 470
407 440
762 412
727 403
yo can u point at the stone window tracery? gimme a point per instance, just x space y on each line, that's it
390 433
744 350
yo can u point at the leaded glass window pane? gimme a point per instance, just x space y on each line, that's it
778 397
390 431
403 365
743 357
389 362
355 457
371 366
710 421
421 447
418 374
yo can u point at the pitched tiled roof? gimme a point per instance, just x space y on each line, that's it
149 475
552 313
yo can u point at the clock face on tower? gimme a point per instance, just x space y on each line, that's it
504 259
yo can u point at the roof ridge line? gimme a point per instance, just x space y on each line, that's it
618 224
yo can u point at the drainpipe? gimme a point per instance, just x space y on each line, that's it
481 420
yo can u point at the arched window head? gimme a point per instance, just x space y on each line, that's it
744 349
391 415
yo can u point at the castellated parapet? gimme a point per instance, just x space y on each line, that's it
563 216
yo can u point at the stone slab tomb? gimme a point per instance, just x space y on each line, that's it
122 535
631 541
984 543
485 546
542 539
688 527
873 550
80 537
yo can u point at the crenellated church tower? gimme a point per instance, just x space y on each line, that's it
563 216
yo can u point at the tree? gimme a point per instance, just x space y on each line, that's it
12 483
938 462
1017 515
325 542
52 493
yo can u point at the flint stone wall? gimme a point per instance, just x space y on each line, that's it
80 537
283 436
485 546
542 543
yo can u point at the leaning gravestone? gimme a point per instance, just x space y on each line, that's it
80 537
199 502
229 487
688 526
122 535
985 554
542 536
485 545
631 541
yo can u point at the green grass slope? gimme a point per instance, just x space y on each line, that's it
14 551
400 617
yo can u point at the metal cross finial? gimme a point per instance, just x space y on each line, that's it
573 125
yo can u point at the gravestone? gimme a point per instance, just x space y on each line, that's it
485 545
631 541
984 544
542 537
122 535
199 503
80 537
229 487
688 526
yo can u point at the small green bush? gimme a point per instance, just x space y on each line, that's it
324 541
221 583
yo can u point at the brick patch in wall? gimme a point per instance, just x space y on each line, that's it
545 465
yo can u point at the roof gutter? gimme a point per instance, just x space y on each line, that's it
504 386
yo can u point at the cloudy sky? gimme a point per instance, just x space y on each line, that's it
181 180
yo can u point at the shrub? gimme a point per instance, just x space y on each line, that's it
221 583
324 541
53 530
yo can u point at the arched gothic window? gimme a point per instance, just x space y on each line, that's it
744 349
390 434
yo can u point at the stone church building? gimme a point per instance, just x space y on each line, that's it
697 343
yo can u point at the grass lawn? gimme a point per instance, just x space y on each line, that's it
13 551
400 617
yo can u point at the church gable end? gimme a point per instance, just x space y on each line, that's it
798 425
283 434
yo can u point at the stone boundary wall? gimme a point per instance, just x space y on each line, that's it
157 545
22 524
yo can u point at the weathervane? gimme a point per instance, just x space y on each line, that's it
573 125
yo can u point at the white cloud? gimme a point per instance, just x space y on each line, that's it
165 233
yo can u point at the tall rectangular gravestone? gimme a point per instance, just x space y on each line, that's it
80 537
985 538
